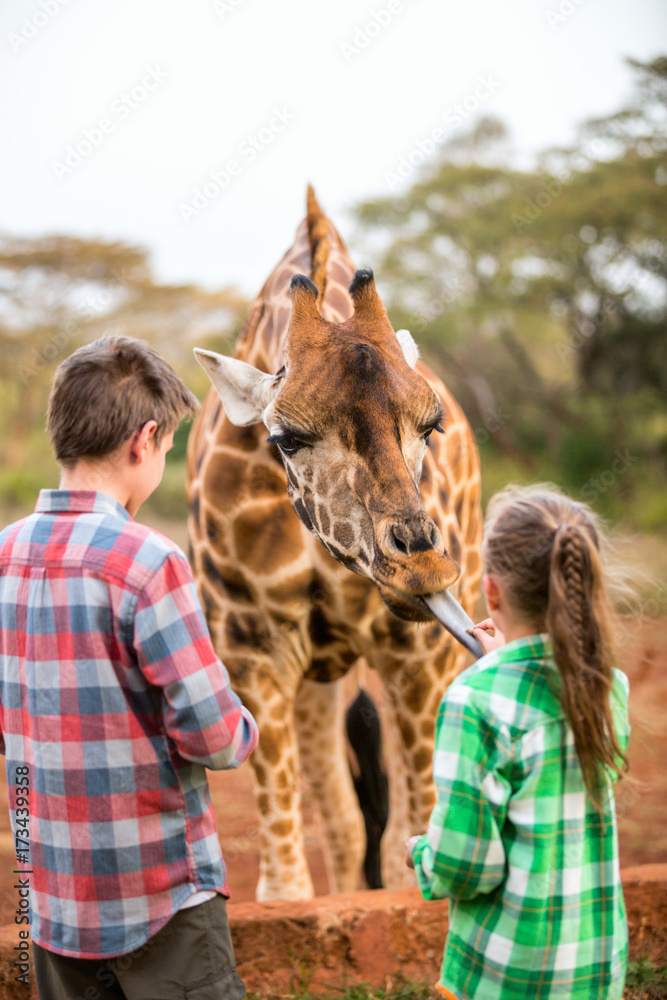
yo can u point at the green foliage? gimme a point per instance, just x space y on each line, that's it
541 298
650 506
19 488
645 981
59 293
400 989
168 501
178 451
643 972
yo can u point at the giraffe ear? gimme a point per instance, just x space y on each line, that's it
410 349
245 391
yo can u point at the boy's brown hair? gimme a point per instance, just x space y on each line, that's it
106 391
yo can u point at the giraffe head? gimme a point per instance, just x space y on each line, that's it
351 418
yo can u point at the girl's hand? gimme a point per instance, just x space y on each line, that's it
409 844
481 632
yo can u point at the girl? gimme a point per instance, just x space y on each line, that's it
529 742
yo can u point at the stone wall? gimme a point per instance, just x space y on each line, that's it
368 937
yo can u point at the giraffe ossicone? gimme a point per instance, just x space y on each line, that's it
350 412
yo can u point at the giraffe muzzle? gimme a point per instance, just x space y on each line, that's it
409 537
402 538
410 557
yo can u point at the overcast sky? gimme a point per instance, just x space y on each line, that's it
116 112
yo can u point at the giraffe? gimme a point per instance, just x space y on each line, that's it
312 548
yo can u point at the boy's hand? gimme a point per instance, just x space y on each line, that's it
481 632
409 844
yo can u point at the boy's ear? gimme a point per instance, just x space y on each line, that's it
142 438
245 391
491 592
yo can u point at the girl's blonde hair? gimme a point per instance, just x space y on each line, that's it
551 553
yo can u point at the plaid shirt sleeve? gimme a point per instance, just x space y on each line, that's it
462 854
203 717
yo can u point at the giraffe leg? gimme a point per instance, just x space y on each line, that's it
324 762
395 873
283 872
413 687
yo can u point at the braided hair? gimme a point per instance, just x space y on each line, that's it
550 552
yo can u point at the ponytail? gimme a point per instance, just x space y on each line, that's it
578 620
546 548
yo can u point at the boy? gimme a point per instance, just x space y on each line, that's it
113 702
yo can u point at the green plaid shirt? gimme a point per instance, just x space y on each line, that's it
537 909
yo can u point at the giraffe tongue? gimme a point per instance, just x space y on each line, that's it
449 613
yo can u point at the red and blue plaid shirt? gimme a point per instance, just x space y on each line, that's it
111 694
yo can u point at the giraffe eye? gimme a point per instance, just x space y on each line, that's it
426 435
288 444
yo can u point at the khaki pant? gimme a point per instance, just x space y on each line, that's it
191 958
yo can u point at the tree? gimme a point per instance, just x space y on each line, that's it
59 292
541 294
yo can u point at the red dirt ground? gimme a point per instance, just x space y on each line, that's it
642 797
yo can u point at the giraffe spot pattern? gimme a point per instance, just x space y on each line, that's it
323 519
270 742
282 827
423 759
235 585
248 631
266 538
292 589
454 546
194 508
416 695
225 482
302 513
344 535
407 732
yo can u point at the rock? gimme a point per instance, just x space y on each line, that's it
328 940
368 937
645 892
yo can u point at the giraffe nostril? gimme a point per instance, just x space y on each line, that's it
414 535
399 543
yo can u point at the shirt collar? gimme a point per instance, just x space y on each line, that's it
530 647
79 502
